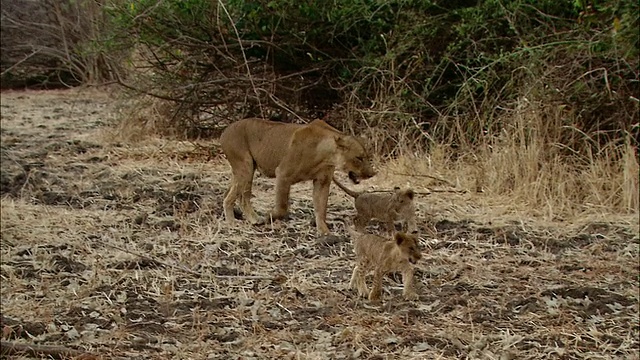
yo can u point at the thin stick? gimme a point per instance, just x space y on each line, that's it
428 192
20 62
244 55
425 175
445 191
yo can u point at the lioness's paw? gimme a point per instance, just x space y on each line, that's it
375 297
237 213
260 220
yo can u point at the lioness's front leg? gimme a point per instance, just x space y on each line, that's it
320 199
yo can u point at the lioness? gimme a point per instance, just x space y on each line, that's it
388 208
382 255
291 153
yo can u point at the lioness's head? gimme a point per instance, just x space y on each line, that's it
356 160
409 247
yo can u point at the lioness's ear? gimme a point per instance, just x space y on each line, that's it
341 141
399 238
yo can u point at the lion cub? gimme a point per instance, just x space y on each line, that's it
382 255
389 208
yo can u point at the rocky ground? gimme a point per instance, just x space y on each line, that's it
114 249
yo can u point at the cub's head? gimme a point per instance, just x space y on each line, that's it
409 247
402 198
356 160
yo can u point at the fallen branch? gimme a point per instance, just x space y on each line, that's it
9 348
20 62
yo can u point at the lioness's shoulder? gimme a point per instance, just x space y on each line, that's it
322 124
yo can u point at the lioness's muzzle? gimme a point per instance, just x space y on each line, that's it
355 178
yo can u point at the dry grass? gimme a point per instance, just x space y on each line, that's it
117 248
526 168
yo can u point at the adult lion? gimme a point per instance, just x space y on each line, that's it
291 153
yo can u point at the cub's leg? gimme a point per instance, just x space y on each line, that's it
407 281
376 290
321 187
412 227
360 221
357 280
390 226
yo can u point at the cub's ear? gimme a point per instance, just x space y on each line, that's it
399 238
410 194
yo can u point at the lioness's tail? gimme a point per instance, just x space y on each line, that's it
352 193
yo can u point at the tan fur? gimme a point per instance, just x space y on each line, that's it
291 153
389 208
382 256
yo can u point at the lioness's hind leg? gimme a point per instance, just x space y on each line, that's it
281 207
245 202
242 183
229 201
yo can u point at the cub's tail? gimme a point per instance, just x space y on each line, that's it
349 192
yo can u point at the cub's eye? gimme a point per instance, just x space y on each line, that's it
359 158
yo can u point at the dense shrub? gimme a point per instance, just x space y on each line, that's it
433 70
53 43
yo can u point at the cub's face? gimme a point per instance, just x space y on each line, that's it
409 247
403 199
357 163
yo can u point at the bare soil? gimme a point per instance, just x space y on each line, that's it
118 250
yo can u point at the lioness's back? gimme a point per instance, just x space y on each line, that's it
265 141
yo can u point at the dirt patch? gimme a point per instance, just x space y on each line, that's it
120 248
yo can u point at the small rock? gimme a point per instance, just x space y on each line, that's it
72 334
423 346
391 340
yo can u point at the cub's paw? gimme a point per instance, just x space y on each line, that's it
411 296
